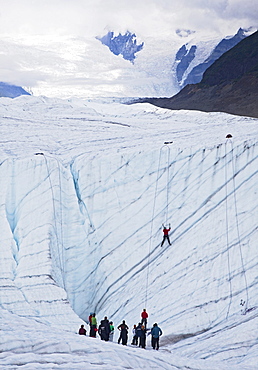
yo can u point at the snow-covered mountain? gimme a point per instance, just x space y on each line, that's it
11 91
121 65
126 44
185 59
85 188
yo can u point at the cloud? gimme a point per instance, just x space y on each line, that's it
147 17
51 43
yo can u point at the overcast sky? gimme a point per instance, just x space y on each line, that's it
145 17
50 45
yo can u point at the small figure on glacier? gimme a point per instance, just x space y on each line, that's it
135 338
93 327
156 332
144 316
82 330
123 328
89 318
141 334
104 329
165 234
111 334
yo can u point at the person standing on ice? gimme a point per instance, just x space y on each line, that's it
123 333
89 319
104 329
135 338
111 334
93 328
82 330
144 316
165 234
156 332
141 334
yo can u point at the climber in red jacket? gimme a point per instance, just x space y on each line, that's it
144 316
165 236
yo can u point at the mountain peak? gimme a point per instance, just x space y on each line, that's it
11 91
125 45
229 85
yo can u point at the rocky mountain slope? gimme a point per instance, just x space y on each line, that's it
230 85
196 74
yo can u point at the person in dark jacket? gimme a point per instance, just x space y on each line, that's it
143 337
104 329
156 332
141 334
165 234
123 333
82 330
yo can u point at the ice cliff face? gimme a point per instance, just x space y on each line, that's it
89 233
84 189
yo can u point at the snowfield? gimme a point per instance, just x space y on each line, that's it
85 186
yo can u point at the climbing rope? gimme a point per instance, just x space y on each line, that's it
153 212
167 203
227 232
60 246
237 227
242 302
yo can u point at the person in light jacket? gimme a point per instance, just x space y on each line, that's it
135 338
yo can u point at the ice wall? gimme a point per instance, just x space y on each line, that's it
210 199
38 221
90 234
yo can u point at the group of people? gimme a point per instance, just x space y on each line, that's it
106 331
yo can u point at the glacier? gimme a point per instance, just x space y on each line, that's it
85 188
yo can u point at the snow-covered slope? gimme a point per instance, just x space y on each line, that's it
85 188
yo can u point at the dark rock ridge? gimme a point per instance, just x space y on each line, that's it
11 91
184 58
126 44
229 85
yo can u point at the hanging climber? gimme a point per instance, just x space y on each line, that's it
166 236
144 316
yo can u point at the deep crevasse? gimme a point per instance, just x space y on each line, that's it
94 228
